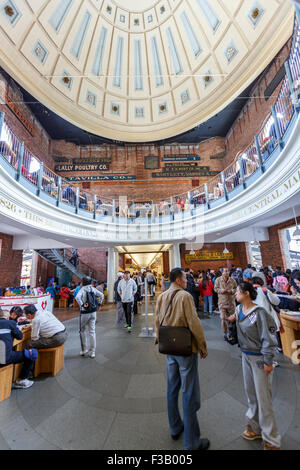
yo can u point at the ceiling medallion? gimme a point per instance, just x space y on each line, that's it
9 10
255 13
39 51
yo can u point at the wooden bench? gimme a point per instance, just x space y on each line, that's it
49 361
75 304
63 303
6 376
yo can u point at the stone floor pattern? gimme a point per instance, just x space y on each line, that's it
118 400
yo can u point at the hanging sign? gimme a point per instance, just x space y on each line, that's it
208 256
100 178
181 158
82 167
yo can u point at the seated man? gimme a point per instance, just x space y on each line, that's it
46 331
8 331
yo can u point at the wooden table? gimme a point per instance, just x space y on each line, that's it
291 337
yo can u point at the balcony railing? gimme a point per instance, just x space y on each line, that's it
123 210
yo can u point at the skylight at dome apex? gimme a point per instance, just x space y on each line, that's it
140 70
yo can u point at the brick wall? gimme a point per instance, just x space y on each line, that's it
10 262
40 143
238 249
255 110
132 160
44 271
95 258
272 250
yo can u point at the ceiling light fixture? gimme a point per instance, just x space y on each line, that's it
297 231
225 251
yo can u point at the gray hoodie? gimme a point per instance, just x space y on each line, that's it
257 333
81 297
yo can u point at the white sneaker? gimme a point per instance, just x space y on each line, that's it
92 354
83 353
25 383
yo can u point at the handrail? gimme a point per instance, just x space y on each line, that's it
246 162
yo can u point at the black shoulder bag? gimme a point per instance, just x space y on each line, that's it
174 340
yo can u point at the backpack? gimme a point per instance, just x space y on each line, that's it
92 302
280 283
237 276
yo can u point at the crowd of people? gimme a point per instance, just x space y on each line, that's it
248 299
242 297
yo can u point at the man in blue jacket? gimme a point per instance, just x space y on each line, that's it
9 331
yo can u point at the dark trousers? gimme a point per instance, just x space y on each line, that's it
17 357
127 306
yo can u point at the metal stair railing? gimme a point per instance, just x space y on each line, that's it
55 257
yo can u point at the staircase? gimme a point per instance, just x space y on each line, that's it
58 259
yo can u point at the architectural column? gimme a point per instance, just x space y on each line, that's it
171 258
117 263
33 271
111 273
177 258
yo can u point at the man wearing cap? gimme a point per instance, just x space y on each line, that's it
46 331
120 311
8 332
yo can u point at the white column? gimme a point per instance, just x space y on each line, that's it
177 259
171 258
33 270
111 269
117 263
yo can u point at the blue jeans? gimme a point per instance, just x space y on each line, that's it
183 372
210 299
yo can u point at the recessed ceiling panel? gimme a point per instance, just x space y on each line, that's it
138 70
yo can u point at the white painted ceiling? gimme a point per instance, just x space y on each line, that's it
138 70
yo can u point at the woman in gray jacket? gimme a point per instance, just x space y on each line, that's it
256 336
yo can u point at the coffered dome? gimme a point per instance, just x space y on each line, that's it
138 70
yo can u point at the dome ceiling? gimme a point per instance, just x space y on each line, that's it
138 70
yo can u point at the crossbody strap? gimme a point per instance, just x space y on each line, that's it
172 297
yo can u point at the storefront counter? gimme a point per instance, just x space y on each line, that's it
42 302
291 337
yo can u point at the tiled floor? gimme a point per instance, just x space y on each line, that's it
117 400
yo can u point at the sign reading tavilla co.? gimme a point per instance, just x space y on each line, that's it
82 167
100 178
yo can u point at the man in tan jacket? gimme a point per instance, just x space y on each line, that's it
182 371
225 286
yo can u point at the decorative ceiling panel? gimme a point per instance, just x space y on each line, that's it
138 70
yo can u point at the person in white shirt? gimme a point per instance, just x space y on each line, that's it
127 289
46 330
88 316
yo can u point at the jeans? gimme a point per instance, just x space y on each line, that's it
182 372
18 357
210 302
